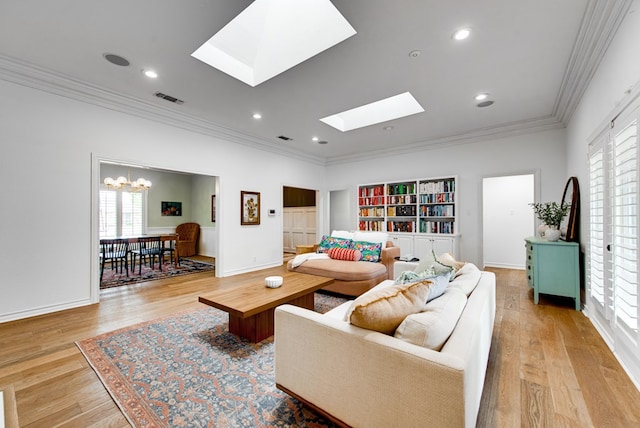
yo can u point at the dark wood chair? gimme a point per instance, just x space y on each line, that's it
170 248
147 249
116 252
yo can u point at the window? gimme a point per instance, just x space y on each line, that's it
121 213
614 235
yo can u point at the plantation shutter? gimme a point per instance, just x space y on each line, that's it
132 211
121 213
625 228
108 217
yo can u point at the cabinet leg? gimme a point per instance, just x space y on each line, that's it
535 297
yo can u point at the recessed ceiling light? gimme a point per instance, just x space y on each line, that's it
482 96
415 54
462 34
377 112
272 36
388 128
116 59
315 139
257 116
323 142
151 74
485 103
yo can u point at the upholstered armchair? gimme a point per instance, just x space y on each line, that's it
187 238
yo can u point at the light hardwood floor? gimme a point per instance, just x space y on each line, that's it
547 368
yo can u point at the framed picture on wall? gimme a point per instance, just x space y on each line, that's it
213 208
171 208
249 208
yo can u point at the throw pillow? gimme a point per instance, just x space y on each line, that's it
432 327
431 265
384 309
345 254
370 250
440 282
329 242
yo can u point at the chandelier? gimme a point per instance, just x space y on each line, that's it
121 183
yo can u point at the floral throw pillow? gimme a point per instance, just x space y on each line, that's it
329 242
370 250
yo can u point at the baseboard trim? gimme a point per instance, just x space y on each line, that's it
12 316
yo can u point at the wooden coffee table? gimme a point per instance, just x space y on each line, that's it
251 305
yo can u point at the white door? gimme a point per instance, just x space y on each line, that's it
507 219
299 227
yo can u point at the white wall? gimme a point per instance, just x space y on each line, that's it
49 146
543 151
340 208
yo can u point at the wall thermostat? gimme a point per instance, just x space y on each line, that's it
272 212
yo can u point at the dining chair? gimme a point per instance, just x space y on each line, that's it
187 239
171 249
116 252
148 248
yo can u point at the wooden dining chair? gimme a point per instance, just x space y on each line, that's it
148 249
116 252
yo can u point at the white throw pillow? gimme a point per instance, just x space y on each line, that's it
432 327
466 278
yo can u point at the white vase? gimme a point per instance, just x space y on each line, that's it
552 234
542 229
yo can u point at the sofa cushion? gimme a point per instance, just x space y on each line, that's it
380 237
348 254
345 234
432 327
467 278
329 242
342 270
370 250
385 308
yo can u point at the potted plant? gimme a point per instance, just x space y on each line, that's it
551 214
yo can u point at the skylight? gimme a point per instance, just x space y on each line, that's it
380 111
272 36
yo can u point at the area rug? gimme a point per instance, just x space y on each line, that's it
111 278
187 370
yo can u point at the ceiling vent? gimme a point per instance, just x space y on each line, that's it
282 137
168 98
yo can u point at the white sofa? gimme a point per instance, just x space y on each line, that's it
363 378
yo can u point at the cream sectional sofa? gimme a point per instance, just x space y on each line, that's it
362 378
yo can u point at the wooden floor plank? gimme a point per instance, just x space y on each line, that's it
547 365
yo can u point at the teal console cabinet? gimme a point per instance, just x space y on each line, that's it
553 268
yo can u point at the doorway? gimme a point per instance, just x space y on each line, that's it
507 219
299 218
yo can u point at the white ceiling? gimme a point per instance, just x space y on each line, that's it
533 57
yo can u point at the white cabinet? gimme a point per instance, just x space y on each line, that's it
405 242
439 244
419 245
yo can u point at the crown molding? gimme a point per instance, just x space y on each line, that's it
599 25
29 75
471 137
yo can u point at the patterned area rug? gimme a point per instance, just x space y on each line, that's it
111 278
187 370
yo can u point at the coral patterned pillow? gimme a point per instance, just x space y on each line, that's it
345 254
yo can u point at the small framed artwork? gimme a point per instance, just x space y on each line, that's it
213 208
171 208
249 208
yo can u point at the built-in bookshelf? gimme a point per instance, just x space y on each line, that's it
371 207
437 205
414 212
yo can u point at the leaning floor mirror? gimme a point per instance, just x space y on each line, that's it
569 228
